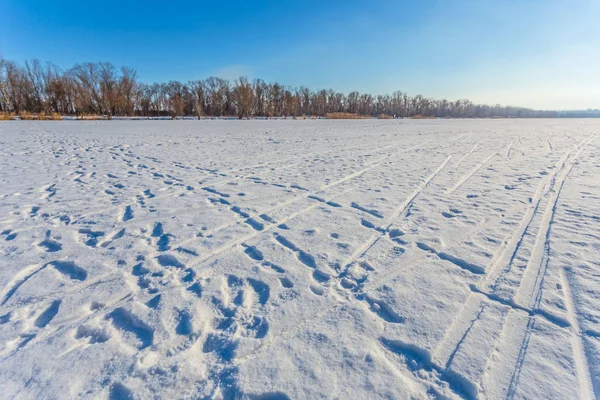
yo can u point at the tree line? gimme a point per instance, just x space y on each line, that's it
102 89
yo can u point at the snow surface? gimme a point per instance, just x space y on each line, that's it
300 259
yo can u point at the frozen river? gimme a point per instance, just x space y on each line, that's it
300 259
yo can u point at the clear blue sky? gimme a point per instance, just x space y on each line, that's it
536 53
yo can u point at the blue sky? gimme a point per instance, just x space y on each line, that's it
535 53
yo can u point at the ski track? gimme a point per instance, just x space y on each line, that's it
362 249
465 178
467 155
192 264
508 149
580 355
529 288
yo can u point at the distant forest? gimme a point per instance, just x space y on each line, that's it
102 89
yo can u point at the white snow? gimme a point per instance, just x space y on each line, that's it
300 259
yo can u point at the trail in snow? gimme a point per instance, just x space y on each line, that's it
299 259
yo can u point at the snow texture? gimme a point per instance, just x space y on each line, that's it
300 259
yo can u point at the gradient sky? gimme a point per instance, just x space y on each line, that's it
534 53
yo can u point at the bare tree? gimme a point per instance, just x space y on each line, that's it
101 88
244 97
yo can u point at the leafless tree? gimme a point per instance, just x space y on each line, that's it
101 88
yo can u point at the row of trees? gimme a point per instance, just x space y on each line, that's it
102 89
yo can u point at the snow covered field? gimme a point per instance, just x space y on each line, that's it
300 259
